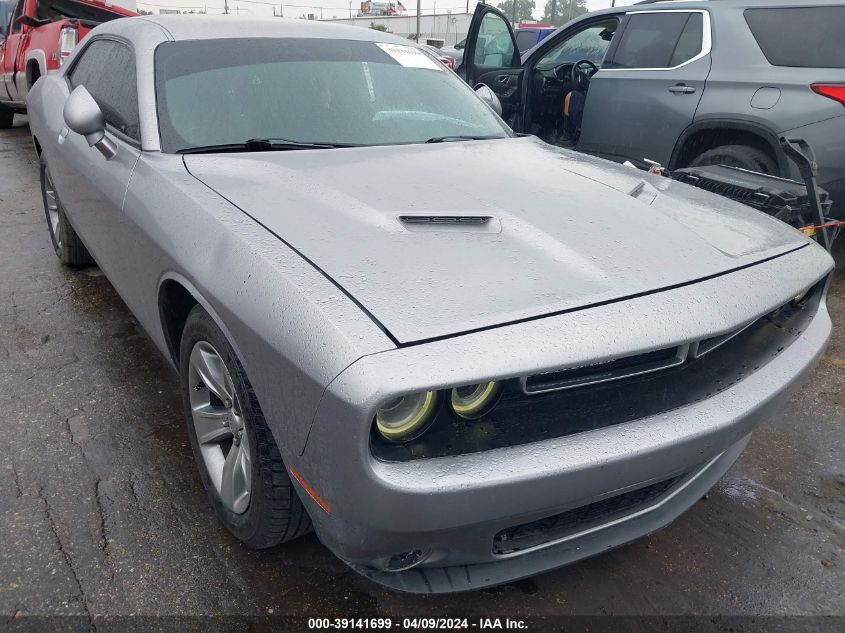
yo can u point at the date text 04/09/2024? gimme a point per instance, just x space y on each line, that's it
409 624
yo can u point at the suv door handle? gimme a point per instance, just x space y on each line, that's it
681 89
503 79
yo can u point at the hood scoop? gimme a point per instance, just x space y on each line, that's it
451 223
445 219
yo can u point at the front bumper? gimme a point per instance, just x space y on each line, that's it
452 508
572 548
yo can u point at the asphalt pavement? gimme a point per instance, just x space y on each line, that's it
102 512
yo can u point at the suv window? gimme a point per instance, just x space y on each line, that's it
589 43
659 40
494 46
107 70
792 36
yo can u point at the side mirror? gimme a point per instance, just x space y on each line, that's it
83 116
489 97
28 20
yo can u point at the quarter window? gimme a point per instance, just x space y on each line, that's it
808 37
659 40
107 70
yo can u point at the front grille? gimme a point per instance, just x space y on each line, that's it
594 401
604 372
558 526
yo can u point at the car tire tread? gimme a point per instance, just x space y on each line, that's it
7 117
72 251
742 156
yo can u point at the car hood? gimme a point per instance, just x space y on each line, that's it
565 230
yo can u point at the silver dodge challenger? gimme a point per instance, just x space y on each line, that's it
462 356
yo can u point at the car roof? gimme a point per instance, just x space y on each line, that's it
710 5
198 27
677 4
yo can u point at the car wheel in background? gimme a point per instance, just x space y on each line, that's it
239 462
742 156
7 117
66 243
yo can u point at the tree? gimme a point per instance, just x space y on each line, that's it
524 9
565 10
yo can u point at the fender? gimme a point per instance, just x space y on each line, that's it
161 339
740 125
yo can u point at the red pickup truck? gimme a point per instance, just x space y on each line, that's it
39 35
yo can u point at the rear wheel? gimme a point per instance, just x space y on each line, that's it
66 243
7 117
239 462
742 156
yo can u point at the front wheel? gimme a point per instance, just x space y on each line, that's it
239 462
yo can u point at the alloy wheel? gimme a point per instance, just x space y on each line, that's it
51 201
219 426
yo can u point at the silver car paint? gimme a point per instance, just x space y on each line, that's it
320 365
542 253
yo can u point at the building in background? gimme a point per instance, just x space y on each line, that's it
441 29
369 7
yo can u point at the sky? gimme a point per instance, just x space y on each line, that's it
334 8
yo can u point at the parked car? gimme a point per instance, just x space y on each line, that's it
529 36
454 386
679 83
456 52
39 36
447 61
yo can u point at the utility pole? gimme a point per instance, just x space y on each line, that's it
419 8
554 11
513 13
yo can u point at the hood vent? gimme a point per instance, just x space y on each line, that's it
445 219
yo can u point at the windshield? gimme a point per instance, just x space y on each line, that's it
320 91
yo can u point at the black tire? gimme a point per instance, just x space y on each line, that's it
742 156
275 513
7 117
66 243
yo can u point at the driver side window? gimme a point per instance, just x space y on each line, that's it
494 46
590 43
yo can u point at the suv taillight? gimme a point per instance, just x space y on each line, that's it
68 37
831 91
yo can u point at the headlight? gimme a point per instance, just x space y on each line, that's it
406 417
799 298
473 401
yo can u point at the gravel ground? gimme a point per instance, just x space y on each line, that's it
102 512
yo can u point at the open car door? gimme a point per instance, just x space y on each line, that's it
491 57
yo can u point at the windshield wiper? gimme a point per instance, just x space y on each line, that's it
448 139
260 145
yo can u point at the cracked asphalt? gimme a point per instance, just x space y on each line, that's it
102 512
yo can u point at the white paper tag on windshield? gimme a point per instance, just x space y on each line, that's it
408 56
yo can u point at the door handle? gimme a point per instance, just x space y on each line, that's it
681 89
503 79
